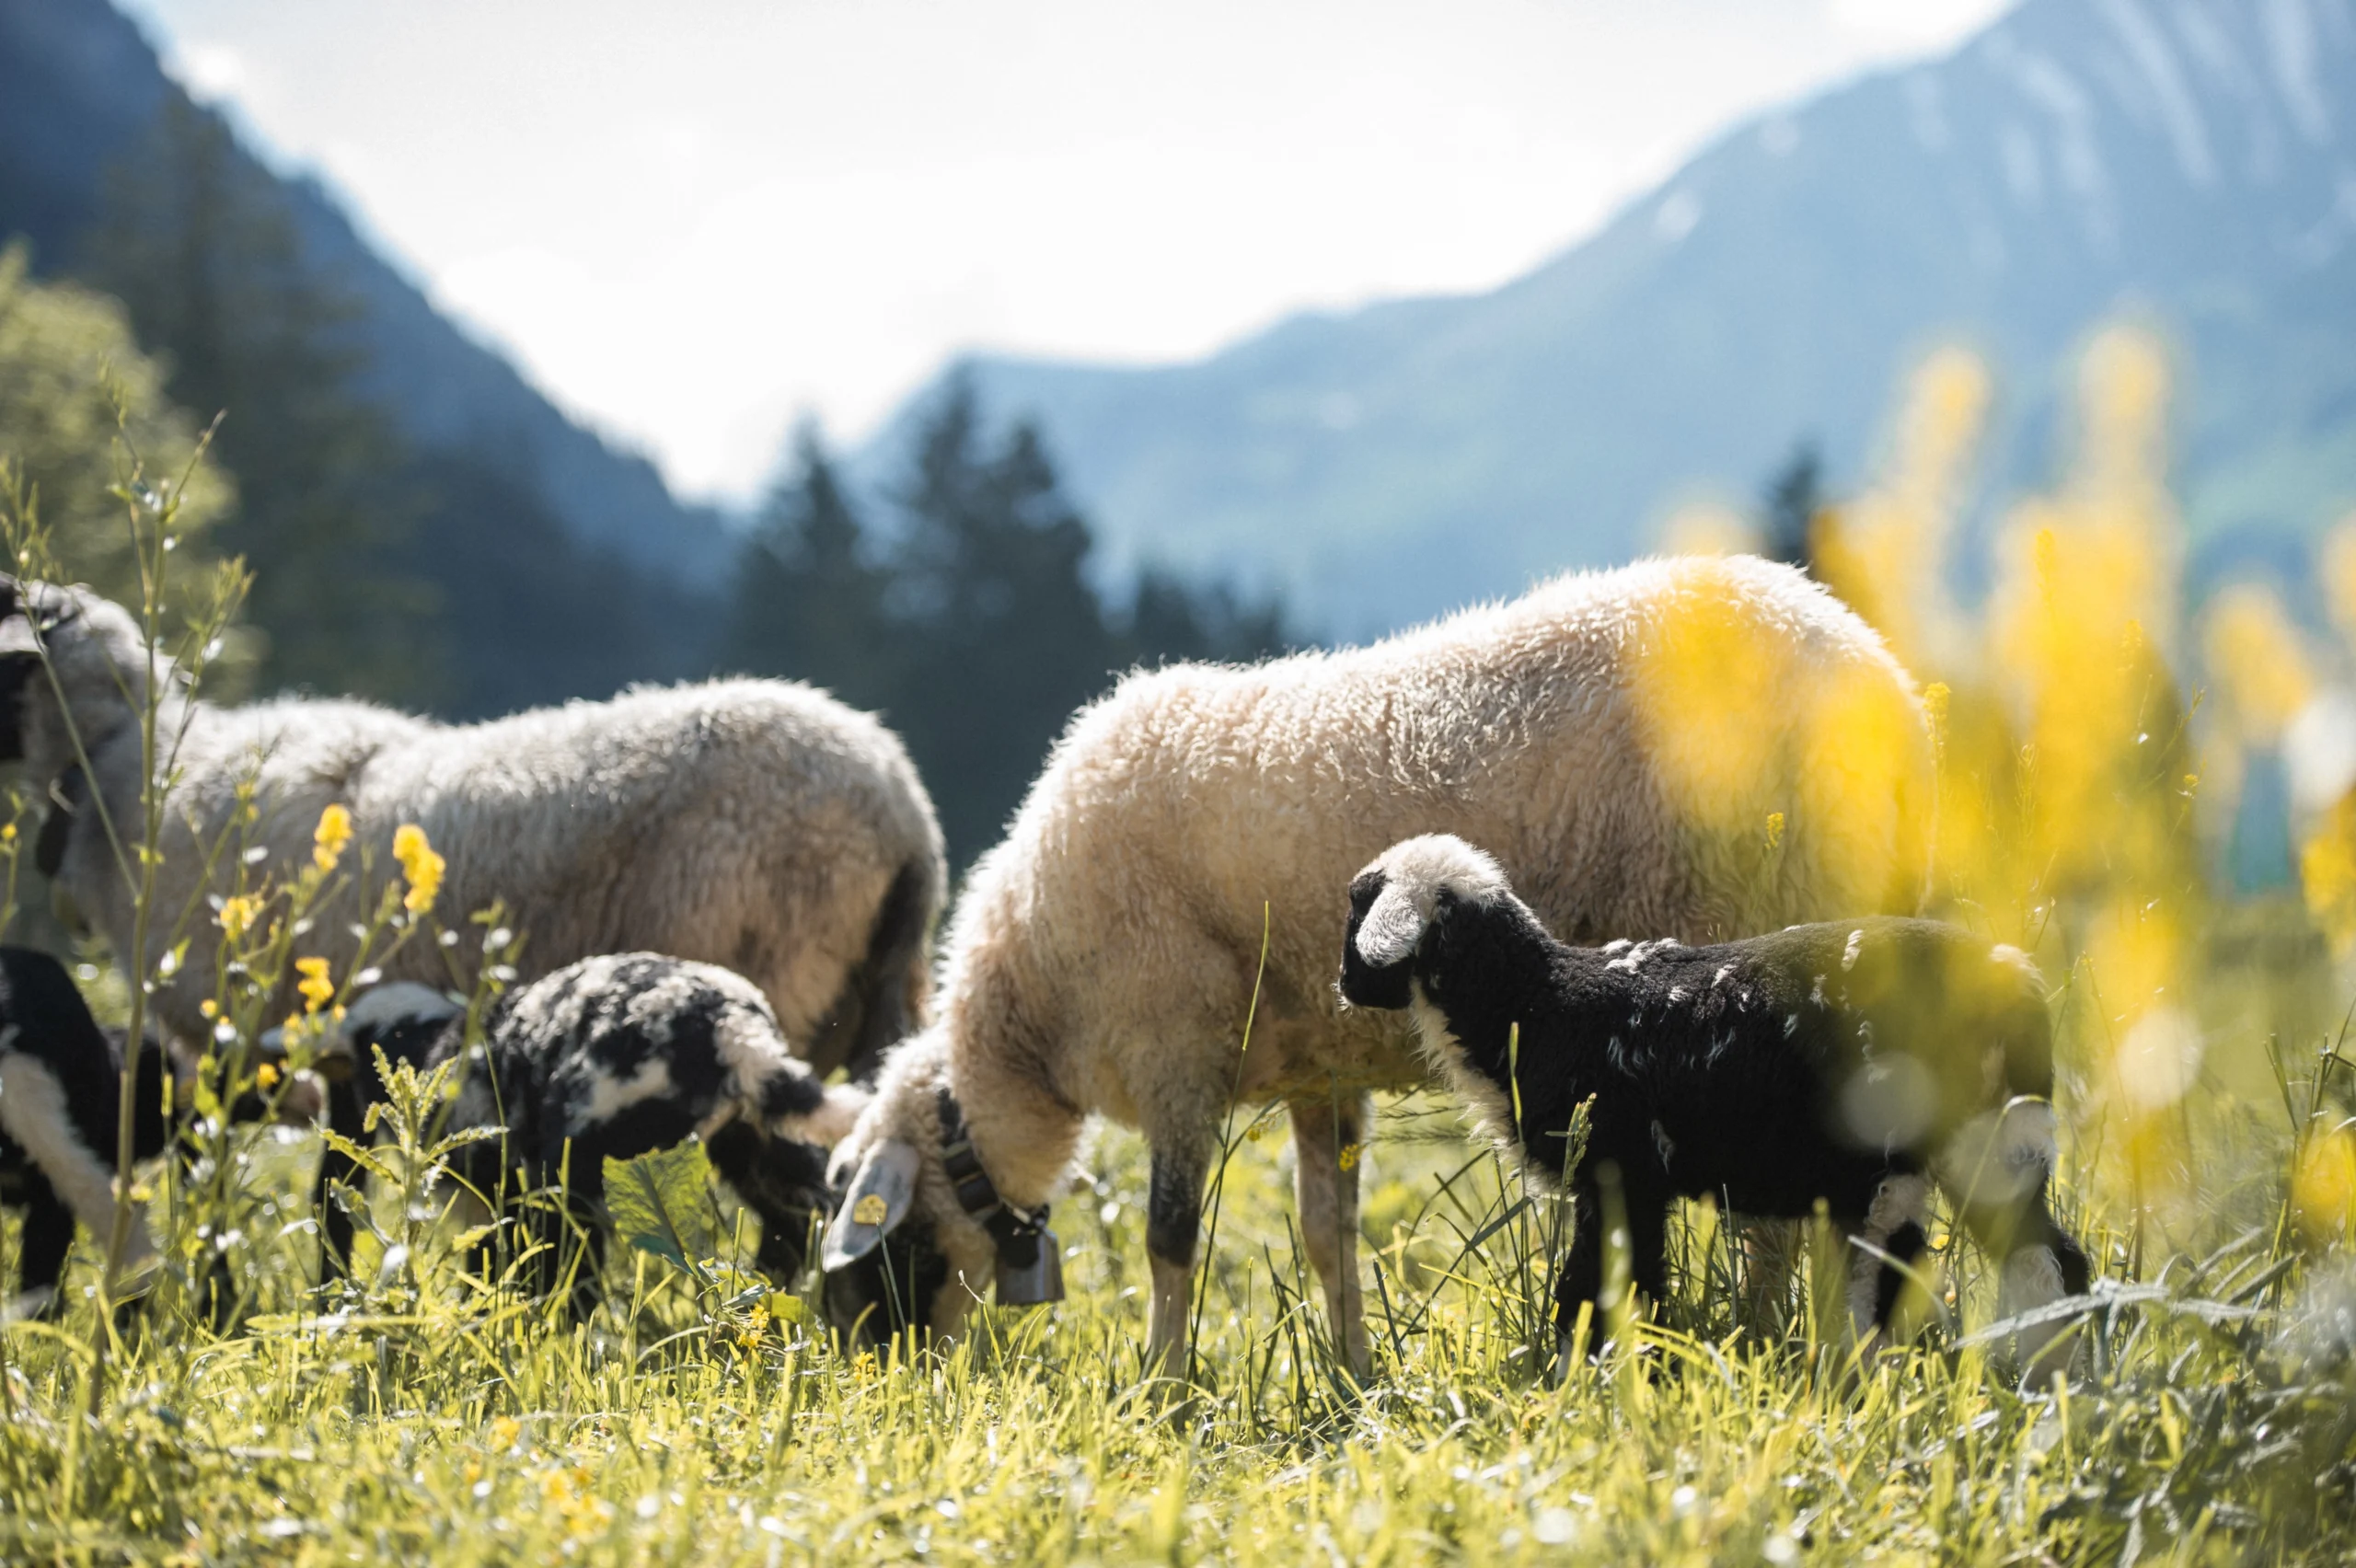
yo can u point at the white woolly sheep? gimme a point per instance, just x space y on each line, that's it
1853 1062
1694 747
613 1057
758 825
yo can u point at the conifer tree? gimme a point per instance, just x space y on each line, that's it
807 602
199 243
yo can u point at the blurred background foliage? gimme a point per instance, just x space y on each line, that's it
82 409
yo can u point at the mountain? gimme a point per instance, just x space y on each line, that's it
79 87
2187 162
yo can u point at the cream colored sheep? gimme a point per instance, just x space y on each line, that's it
1690 748
756 824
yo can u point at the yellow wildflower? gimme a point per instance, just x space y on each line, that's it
1350 1157
2322 1188
209 1007
7 833
237 915
1774 830
420 865
266 1075
315 986
334 832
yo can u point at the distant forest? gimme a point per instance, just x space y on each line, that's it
439 580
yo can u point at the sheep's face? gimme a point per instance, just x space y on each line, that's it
95 649
899 1286
402 1019
1398 902
885 1270
1365 983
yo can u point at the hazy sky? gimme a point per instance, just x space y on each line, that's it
691 221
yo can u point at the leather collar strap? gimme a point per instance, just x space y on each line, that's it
1016 1232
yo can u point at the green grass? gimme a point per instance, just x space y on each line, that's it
409 1418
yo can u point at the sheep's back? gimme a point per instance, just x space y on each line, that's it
737 821
1619 741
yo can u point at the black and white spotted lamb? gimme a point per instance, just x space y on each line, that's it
60 1076
614 1057
1853 1062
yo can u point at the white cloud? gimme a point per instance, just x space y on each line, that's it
210 70
1913 24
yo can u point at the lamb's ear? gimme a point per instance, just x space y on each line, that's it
1392 930
878 1199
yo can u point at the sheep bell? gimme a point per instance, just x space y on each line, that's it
1036 1281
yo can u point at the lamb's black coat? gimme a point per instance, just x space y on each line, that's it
554 1077
1814 1062
44 1019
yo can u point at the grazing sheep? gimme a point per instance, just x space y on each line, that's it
1692 747
758 824
613 1057
60 1078
1854 1062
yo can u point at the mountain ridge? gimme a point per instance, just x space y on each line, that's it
80 82
2189 164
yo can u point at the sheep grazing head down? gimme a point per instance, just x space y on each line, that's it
1399 902
920 1233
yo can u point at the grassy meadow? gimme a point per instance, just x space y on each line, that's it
2092 739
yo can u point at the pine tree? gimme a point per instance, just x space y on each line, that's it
1005 635
199 243
807 603
1793 499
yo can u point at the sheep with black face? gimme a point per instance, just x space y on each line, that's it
614 1058
1858 1062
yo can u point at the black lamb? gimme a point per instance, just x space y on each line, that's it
613 1057
1853 1062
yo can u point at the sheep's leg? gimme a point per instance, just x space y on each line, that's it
346 1118
1174 1221
1579 1282
2042 1263
41 1251
1997 1171
1772 1250
1323 1133
1894 1223
1642 1237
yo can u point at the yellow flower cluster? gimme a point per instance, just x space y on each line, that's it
316 987
420 865
238 913
333 832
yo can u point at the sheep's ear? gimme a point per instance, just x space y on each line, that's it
878 1199
1392 930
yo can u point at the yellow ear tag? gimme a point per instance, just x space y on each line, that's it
871 1210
